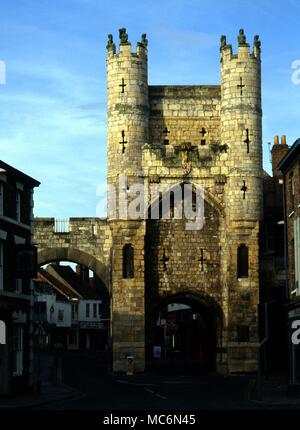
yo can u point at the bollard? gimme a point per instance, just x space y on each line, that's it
59 370
130 365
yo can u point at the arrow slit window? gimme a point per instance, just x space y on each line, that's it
128 262
242 261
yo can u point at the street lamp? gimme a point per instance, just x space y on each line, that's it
51 313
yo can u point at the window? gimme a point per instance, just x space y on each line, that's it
2 333
87 310
17 350
243 333
74 311
95 310
128 262
1 265
1 198
60 315
297 253
19 285
291 183
18 206
242 261
99 309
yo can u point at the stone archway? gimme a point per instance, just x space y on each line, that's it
48 255
198 339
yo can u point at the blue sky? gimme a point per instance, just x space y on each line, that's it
53 106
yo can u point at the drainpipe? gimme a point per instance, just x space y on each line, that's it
286 263
31 308
286 266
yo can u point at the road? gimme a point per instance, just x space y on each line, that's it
88 373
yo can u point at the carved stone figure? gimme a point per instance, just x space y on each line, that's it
257 42
123 36
144 40
223 41
186 148
241 38
110 43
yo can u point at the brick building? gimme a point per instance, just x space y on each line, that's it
273 291
290 167
17 267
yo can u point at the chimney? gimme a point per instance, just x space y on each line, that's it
278 152
83 273
283 140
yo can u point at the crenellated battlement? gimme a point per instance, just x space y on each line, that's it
125 48
243 52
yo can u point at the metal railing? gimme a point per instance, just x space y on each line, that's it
261 358
62 225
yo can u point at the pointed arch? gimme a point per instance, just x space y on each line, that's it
210 198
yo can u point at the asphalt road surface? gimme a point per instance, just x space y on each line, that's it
99 390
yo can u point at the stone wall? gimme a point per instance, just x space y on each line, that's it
87 242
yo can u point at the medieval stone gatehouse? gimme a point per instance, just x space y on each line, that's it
208 135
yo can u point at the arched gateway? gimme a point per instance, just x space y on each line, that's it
184 332
208 135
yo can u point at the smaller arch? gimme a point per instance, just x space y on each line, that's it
48 255
2 333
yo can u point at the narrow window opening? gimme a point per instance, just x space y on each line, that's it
242 261
128 262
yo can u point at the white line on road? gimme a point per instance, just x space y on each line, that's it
137 384
155 394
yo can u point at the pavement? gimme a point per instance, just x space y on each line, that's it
275 391
49 390
84 382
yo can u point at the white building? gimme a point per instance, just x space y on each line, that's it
72 321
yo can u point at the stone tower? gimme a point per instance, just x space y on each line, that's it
241 131
127 91
128 106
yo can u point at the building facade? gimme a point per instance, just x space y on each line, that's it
74 313
290 167
17 268
273 288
